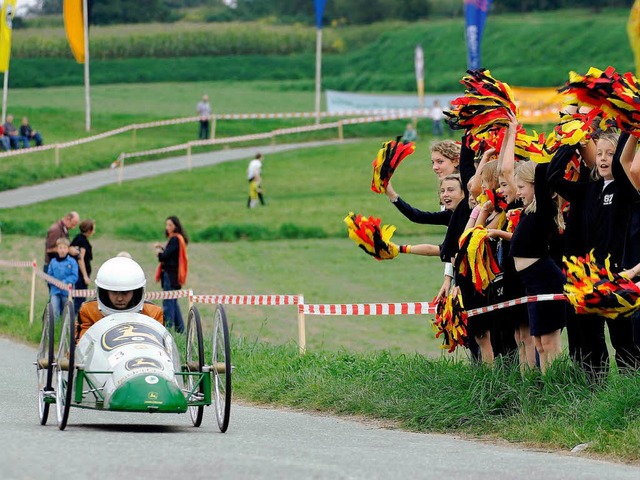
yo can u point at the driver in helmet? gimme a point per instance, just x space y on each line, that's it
120 285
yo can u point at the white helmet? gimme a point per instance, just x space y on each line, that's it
120 274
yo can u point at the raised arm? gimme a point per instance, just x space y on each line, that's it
507 156
629 160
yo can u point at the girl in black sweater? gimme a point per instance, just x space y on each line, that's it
530 252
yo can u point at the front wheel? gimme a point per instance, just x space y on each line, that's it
65 360
221 366
194 360
44 364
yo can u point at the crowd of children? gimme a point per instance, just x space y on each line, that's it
515 208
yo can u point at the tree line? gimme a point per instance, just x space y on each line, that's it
107 12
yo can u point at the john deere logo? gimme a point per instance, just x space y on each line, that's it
152 395
127 333
143 363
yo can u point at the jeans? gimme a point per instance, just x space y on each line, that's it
58 301
170 308
15 141
203 132
438 131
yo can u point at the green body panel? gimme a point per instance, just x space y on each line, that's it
136 395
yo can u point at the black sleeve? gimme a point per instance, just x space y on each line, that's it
625 187
419 216
572 191
545 206
170 251
467 168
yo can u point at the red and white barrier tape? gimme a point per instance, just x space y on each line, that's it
414 308
247 299
518 301
54 281
162 295
16 263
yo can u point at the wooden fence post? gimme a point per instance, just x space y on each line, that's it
56 154
302 340
120 168
340 131
214 122
189 156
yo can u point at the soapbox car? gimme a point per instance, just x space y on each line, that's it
129 362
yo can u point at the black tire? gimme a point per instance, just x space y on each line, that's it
44 363
194 361
221 366
65 364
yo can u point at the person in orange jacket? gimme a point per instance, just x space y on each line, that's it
120 285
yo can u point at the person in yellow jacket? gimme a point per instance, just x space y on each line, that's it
120 285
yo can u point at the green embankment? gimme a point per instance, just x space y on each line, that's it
526 50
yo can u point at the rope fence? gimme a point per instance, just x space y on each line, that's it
271 135
382 114
355 309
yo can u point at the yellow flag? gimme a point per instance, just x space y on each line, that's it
6 26
633 30
74 27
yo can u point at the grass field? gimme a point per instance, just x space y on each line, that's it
355 365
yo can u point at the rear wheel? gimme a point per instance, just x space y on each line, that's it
44 364
194 360
65 360
221 365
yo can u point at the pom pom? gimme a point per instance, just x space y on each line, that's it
451 323
371 237
593 288
487 103
475 258
617 96
387 160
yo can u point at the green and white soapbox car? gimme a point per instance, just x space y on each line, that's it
128 362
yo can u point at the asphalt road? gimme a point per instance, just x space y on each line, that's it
260 443
73 185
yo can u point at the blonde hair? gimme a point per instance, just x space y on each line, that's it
490 173
610 136
526 172
452 176
63 241
448 149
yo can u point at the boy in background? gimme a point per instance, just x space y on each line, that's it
64 268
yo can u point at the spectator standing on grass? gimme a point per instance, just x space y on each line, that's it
173 269
13 135
254 175
59 229
85 255
437 116
204 115
410 134
65 269
29 134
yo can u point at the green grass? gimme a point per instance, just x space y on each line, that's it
385 368
535 49
559 411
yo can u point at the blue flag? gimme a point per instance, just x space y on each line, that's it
319 12
475 12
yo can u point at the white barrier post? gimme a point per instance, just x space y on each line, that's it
33 291
302 341
189 156
120 168
56 155
273 137
134 136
